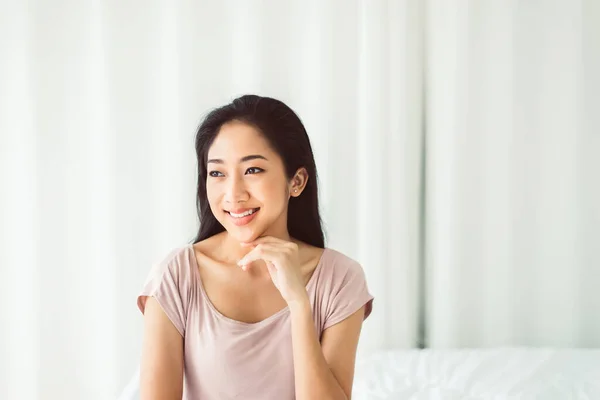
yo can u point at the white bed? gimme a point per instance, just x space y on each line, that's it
502 373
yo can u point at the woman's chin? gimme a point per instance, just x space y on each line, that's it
243 235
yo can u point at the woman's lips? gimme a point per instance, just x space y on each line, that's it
240 221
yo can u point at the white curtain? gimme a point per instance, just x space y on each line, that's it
99 101
513 173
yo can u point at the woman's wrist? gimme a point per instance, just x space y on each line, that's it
299 305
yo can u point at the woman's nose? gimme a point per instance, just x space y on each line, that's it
235 191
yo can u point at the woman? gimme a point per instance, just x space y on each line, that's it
257 307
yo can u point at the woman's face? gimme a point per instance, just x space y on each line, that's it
246 184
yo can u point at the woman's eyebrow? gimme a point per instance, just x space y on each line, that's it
243 159
253 157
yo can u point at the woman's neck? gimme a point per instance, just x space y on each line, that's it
233 250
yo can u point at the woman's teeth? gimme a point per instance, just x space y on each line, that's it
244 213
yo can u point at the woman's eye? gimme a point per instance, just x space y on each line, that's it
254 170
215 174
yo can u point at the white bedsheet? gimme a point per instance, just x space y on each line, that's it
502 373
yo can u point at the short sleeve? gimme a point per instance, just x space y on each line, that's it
167 283
350 292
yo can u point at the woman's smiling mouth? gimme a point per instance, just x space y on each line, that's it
242 216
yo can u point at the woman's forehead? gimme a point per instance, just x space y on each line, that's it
236 140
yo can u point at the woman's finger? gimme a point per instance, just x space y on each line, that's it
272 269
264 252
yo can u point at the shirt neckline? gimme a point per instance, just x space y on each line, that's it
285 310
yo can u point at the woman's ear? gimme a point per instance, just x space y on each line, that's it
298 182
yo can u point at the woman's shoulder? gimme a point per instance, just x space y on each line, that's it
339 268
342 288
340 261
176 261
170 284
173 254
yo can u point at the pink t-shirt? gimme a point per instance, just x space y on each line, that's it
229 359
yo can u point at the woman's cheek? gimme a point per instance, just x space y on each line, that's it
213 204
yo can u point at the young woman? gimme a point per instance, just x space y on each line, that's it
257 307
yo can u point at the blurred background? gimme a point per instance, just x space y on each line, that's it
457 142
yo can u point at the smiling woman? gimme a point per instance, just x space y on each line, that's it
257 306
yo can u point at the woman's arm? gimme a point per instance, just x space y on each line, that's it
324 370
161 370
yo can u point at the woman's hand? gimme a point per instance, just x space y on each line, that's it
283 263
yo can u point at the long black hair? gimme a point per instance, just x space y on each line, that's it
285 132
